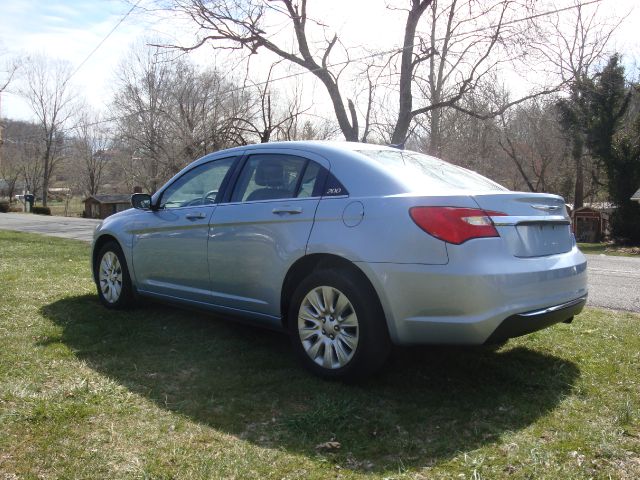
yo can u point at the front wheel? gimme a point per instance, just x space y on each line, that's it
112 277
337 325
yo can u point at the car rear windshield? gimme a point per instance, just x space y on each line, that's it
431 169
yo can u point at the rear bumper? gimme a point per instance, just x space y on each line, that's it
524 323
466 301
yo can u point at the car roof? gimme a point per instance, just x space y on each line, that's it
317 146
359 173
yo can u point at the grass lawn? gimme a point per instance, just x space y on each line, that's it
159 392
607 249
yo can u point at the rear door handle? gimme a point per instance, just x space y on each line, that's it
194 216
289 210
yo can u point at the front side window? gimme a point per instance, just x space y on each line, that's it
198 186
274 176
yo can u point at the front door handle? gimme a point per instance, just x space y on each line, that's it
194 216
289 210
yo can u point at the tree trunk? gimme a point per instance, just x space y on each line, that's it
577 152
406 72
348 127
435 137
45 179
578 198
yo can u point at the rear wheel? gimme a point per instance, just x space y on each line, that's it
337 326
112 277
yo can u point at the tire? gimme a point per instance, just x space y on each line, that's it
112 278
348 340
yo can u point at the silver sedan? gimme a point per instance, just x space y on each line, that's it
350 248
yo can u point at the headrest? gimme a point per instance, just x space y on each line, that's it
270 173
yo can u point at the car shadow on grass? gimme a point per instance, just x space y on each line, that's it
426 406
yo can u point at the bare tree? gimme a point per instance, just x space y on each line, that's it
463 42
10 171
573 45
271 116
7 73
532 138
32 167
204 111
90 146
451 63
23 154
170 113
47 90
318 129
467 140
141 103
240 24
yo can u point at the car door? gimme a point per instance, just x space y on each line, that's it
170 243
262 228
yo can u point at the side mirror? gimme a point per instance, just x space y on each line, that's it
141 201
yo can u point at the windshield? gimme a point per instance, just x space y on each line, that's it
431 170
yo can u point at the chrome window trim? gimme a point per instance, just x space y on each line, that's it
175 209
272 200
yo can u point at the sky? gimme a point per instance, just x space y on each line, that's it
71 29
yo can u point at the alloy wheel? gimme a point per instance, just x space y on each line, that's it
328 327
110 277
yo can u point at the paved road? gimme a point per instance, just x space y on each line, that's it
65 227
614 282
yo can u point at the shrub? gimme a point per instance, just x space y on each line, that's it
4 206
41 210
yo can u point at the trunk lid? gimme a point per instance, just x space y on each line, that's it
534 225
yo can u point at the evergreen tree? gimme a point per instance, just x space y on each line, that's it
607 100
595 116
623 170
614 146
574 118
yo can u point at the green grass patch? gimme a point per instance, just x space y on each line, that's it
160 392
609 249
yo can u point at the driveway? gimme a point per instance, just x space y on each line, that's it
614 282
65 227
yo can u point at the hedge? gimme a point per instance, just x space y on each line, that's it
41 210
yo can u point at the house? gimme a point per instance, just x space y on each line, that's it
636 196
101 206
590 223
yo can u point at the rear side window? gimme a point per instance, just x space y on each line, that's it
432 170
308 184
275 176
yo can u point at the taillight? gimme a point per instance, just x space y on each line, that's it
453 224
